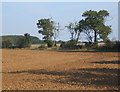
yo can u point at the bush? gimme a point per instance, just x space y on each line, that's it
110 46
6 44
50 43
62 44
70 45
23 43
90 45
117 45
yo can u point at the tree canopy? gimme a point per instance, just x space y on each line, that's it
92 25
94 22
49 29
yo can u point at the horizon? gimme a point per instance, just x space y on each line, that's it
56 40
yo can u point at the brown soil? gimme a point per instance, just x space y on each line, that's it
52 70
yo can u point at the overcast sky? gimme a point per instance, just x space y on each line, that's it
21 17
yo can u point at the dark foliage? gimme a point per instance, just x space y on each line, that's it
110 46
70 45
49 43
6 44
14 38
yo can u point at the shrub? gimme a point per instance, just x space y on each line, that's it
117 45
50 43
20 43
6 44
24 42
70 45
110 46
62 44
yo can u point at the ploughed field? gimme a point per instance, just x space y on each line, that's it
59 70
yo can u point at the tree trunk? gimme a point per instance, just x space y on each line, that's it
95 37
72 36
77 37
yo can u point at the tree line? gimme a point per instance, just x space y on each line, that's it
92 25
20 42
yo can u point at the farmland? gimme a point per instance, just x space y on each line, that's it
59 70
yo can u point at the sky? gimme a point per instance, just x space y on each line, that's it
21 17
